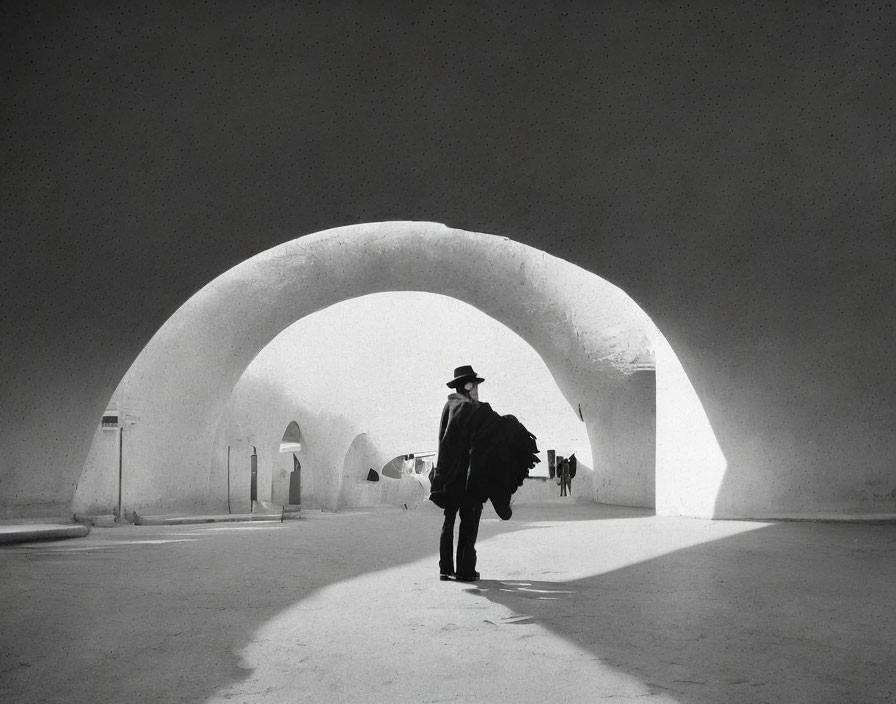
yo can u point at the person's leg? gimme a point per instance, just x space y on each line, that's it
470 513
446 542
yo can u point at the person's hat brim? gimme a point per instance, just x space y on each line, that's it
460 380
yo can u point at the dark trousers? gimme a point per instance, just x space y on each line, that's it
470 512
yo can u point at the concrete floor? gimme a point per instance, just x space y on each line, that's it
578 602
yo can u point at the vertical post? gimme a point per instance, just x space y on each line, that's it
120 454
253 485
228 480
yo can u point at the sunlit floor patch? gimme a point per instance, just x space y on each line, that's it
365 638
351 609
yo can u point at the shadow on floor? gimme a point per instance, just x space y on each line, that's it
784 613
134 611
567 510
765 616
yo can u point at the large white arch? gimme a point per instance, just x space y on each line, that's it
592 336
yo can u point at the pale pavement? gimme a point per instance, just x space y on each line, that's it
578 603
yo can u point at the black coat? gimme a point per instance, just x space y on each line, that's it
482 455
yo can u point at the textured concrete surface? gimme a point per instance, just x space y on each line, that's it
578 603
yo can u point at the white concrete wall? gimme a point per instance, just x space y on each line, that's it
406 492
590 335
98 484
625 445
257 414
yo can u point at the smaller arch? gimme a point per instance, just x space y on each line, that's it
406 479
292 438
354 487
408 465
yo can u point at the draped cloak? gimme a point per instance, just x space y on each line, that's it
482 455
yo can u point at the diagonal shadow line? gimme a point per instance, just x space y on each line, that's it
127 608
768 615
764 616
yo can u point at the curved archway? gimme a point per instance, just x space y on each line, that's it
356 491
292 438
287 488
592 336
359 459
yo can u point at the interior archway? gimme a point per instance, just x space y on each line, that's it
592 336
292 438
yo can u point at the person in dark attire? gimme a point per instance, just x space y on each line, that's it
451 479
563 476
483 457
573 462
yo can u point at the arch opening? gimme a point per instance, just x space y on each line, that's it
600 347
292 438
373 368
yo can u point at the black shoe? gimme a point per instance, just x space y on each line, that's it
444 577
468 577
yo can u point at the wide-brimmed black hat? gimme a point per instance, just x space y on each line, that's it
462 375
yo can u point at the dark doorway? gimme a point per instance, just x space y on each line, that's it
295 482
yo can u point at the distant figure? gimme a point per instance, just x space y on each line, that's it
563 475
482 456
573 462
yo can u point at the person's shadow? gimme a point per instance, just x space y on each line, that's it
753 617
